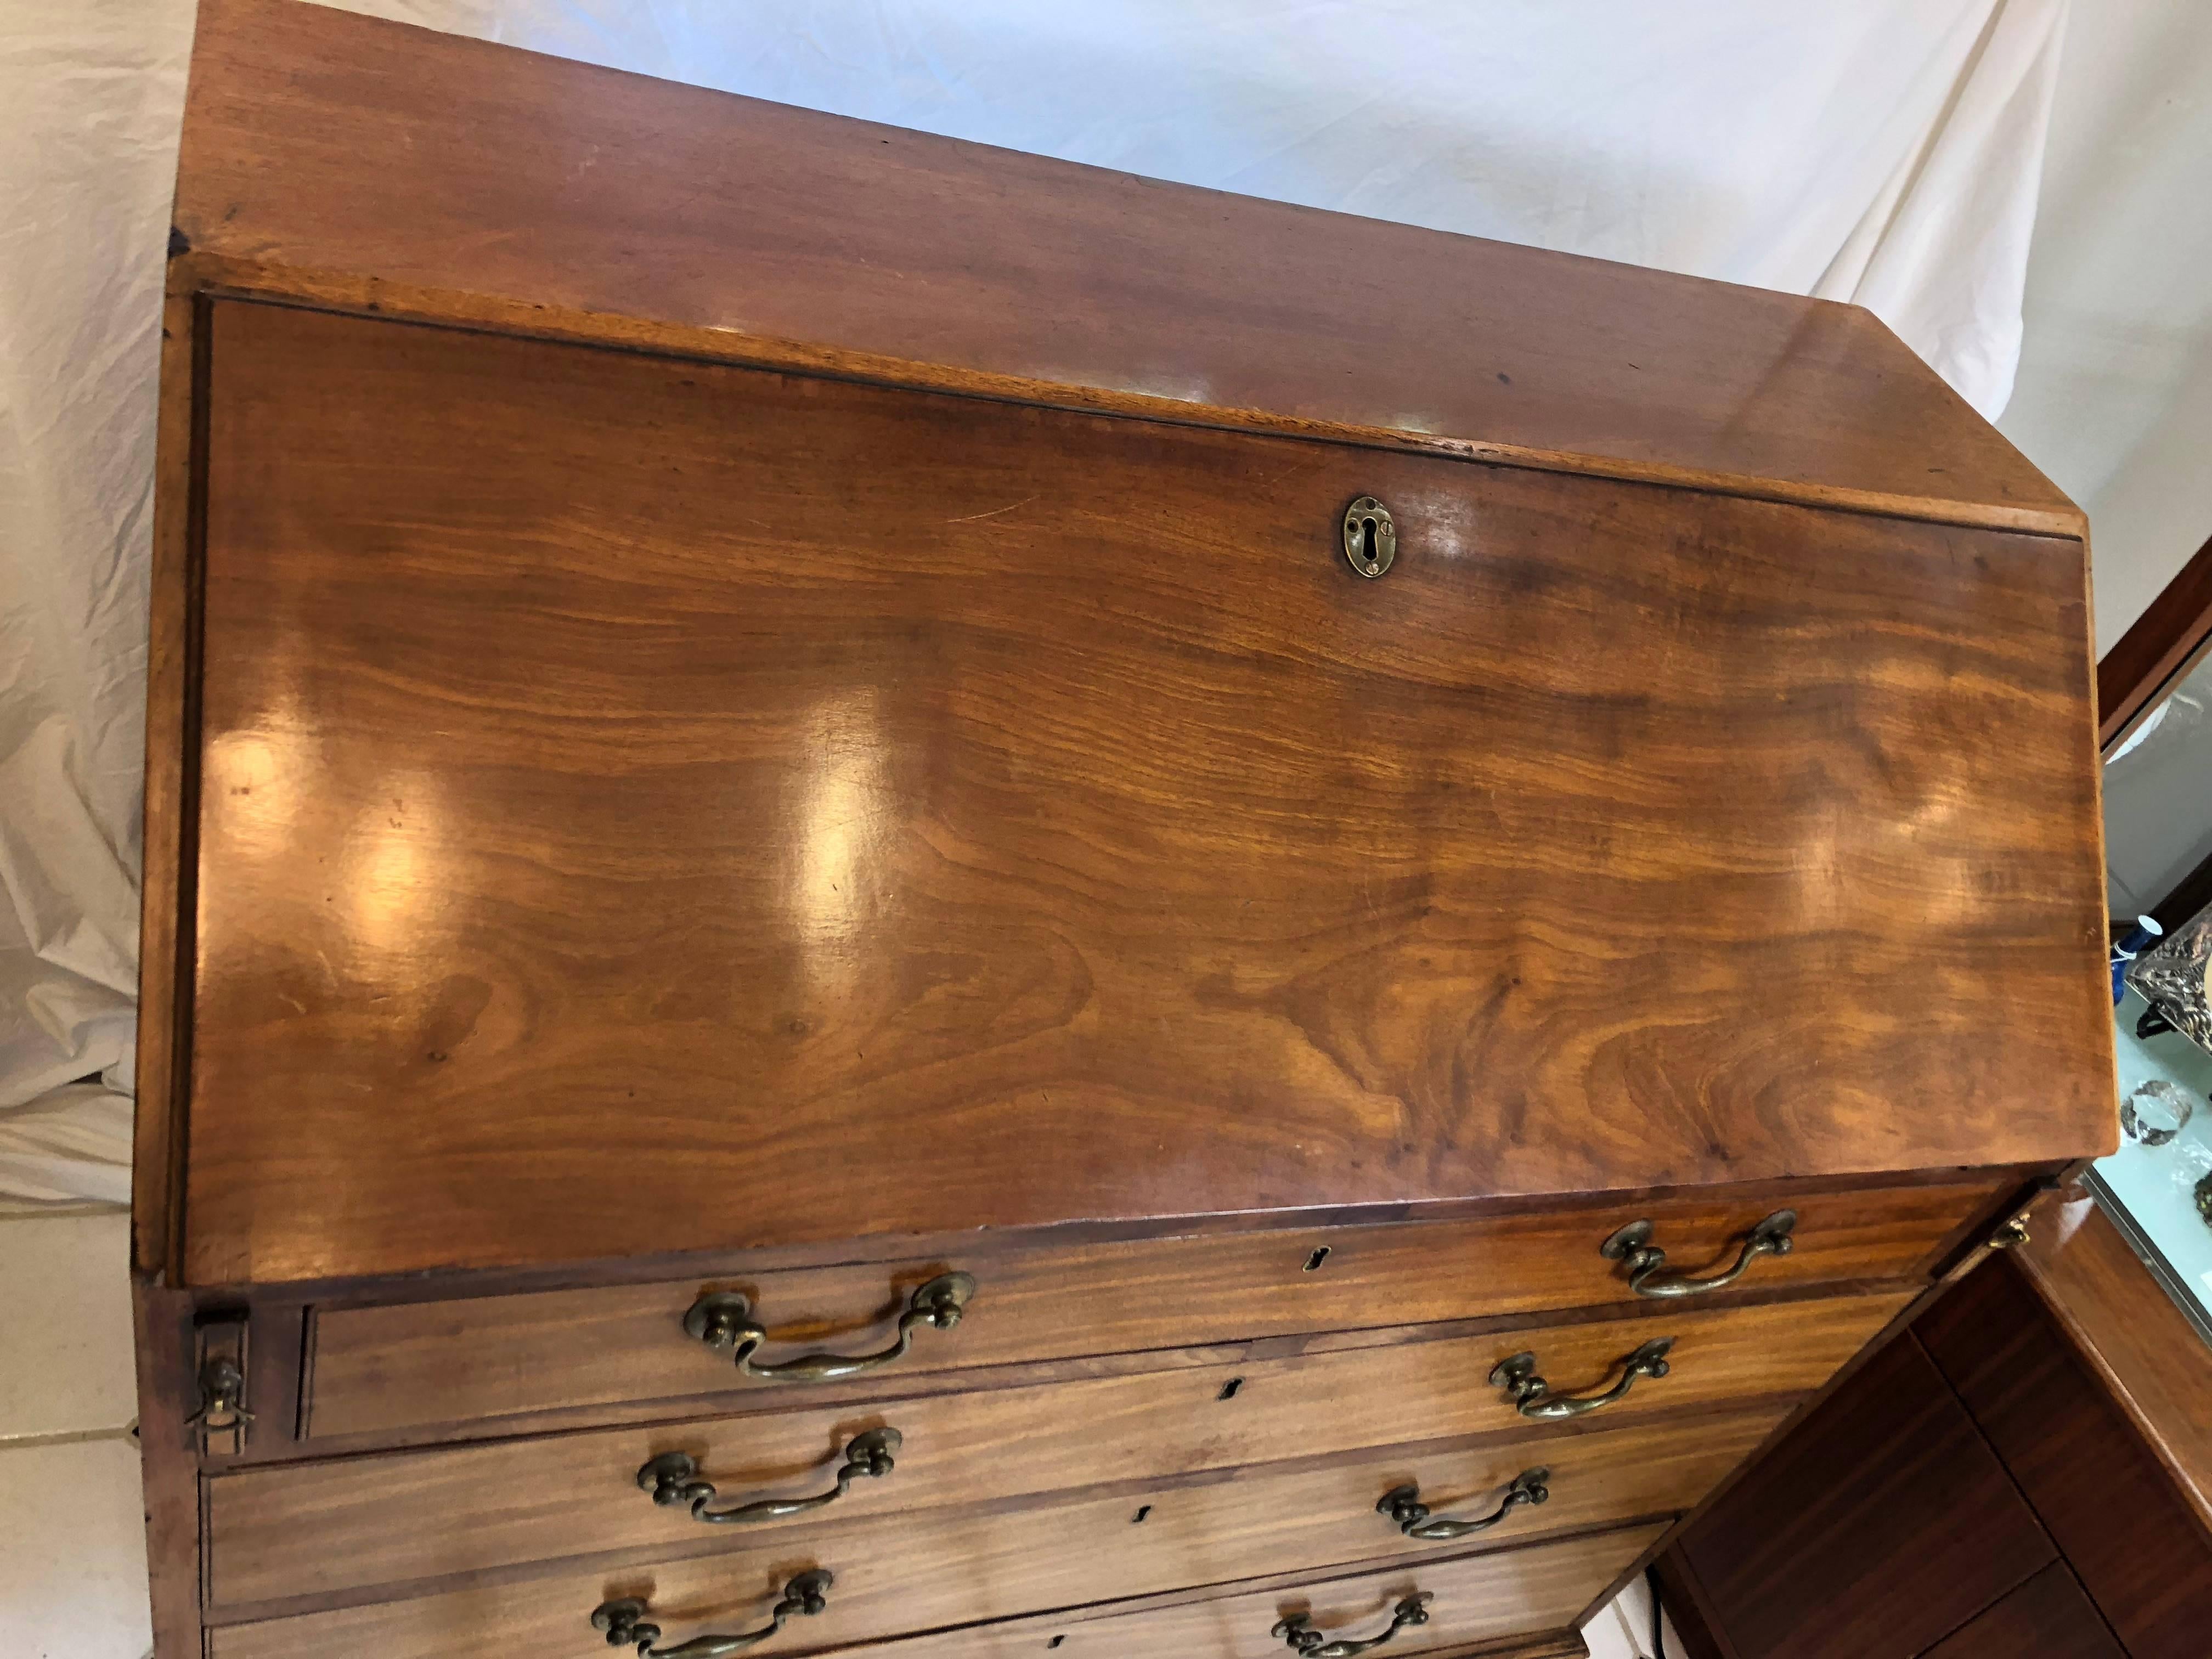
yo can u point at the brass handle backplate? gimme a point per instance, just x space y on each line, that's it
222 1396
1298 1634
1532 1396
672 1479
1370 536
1404 1506
1646 1262
625 1623
723 1319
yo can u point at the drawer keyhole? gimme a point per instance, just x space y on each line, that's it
1370 536
1229 1389
1314 1262
1138 1519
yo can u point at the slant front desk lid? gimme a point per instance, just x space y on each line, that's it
628 797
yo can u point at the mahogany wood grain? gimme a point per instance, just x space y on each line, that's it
325 153
996 1561
2139 1547
1500 1592
1046 823
2147 1356
412 1365
308 1528
2046 1618
1878 1525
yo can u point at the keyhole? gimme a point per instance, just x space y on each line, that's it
1138 1519
1367 540
1229 1389
1314 1262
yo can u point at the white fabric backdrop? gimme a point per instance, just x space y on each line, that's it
1885 151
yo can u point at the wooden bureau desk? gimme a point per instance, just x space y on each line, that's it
903 897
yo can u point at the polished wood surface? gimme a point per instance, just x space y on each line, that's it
1045 821
1545 1586
306 1528
2046 1618
1879 1525
897 1571
409 1366
1514 1591
2137 1544
531 192
2146 1353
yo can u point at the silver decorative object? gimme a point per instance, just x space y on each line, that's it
2171 978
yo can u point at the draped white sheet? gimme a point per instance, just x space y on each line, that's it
1885 151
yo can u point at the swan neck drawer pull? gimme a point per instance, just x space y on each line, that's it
1404 1506
626 1625
1532 1396
672 1479
723 1319
1646 1262
1298 1634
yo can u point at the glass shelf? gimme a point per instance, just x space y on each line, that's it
2151 1191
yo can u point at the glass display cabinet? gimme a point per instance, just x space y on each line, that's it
2157 1189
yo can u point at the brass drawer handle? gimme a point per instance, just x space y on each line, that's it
671 1480
625 1623
1632 1244
1302 1638
1532 1395
1404 1506
723 1319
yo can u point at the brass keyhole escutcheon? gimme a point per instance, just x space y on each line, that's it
1370 536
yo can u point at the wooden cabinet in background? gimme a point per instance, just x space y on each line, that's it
2018 1477
943 903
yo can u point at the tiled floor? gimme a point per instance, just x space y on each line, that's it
72 1530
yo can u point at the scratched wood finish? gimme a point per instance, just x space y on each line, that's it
319 146
416 1365
304 1529
1537 1587
785 810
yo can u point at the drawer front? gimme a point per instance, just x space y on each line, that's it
987 1568
666 806
415 1366
392 1517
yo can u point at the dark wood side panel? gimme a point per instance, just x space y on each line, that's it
2046 1618
1844 1541
339 144
2139 1549
2146 1353
1046 823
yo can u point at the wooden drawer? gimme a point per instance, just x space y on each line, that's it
415 1365
398 1516
886 1581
